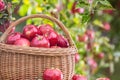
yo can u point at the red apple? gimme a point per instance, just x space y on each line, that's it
40 41
83 38
2 5
78 77
92 63
59 7
101 55
5 25
90 1
13 37
22 42
76 10
62 41
88 46
52 37
52 74
77 58
90 33
108 11
45 28
79 10
106 26
30 31
102 79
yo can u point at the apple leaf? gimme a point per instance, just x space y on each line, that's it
23 10
102 5
85 18
98 23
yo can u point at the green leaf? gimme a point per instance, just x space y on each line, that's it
16 1
98 23
23 10
83 3
102 4
85 18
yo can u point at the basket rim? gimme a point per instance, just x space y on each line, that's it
37 51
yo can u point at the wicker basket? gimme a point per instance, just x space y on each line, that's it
28 63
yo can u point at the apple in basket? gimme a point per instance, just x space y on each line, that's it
38 36
52 74
52 36
40 41
62 41
78 77
13 37
30 31
45 28
22 42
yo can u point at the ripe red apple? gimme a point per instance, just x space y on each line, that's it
40 41
52 74
22 42
78 77
88 46
52 37
79 10
106 26
92 63
77 58
101 55
83 38
62 41
30 31
102 79
90 1
91 34
13 37
2 5
108 11
45 28
5 25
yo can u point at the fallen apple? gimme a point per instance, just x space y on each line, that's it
52 74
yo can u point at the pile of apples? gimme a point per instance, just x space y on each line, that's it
42 36
56 74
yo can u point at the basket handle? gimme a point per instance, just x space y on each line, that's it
60 24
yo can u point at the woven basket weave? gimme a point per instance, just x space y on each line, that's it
28 63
